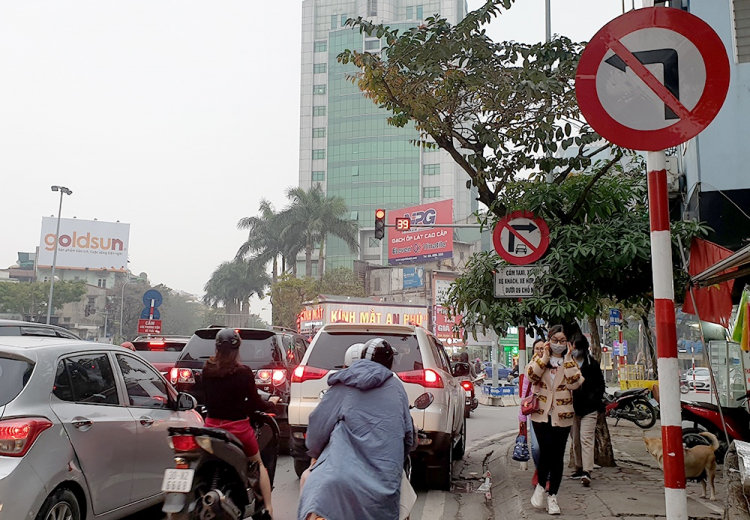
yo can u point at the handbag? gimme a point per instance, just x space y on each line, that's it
529 404
521 449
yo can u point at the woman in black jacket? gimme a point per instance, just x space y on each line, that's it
588 401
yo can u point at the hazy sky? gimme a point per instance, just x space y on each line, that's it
174 116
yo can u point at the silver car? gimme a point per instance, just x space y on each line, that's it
83 429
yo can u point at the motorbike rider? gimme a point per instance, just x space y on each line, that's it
231 397
464 358
358 438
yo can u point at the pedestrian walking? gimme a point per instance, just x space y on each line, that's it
555 375
523 419
588 401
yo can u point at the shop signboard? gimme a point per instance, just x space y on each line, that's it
84 244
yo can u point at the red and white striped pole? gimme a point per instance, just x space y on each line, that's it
666 337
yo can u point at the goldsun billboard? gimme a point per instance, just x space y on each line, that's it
421 244
84 244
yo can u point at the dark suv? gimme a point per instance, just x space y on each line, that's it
261 350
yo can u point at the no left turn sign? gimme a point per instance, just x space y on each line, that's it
652 78
521 238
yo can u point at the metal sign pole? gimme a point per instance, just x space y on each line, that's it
666 337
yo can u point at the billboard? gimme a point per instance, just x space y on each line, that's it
445 326
413 277
84 244
315 316
421 244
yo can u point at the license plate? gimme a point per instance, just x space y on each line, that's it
178 480
653 402
468 393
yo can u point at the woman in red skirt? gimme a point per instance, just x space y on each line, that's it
231 396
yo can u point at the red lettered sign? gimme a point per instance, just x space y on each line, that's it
149 326
420 243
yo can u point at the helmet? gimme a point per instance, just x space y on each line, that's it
128 345
228 338
353 353
379 351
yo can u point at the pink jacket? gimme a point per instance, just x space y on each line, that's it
523 392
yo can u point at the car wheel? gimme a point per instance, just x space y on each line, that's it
441 477
460 448
60 505
300 465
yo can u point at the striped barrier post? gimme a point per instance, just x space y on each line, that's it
666 338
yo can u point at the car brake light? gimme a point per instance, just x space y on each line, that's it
427 378
17 435
181 375
264 375
279 376
156 345
466 385
306 373
183 443
173 375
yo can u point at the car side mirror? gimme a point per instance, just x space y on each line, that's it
186 402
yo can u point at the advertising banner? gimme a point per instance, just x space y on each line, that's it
313 317
413 277
444 326
84 244
421 244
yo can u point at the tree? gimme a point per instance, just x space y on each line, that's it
31 299
287 297
231 285
497 108
311 217
342 282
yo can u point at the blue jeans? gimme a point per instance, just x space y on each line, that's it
533 442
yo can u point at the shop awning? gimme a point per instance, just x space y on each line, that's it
713 275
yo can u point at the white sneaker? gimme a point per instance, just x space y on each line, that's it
552 507
537 499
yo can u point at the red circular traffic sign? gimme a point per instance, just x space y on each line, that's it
521 237
624 101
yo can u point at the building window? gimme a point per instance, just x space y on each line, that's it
319 132
319 154
92 301
318 176
742 29
372 45
319 89
319 111
355 171
374 243
321 46
320 68
354 215
376 283
334 21
420 12
102 282
372 7
431 192
344 18
431 169
410 13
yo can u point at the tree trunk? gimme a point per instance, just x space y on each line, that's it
603 453
321 259
650 343
275 268
596 341
308 257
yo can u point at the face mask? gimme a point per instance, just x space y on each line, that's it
558 348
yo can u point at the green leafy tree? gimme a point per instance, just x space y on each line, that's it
31 299
341 281
287 297
231 285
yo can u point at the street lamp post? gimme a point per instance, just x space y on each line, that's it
122 301
63 191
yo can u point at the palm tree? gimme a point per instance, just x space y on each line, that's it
264 243
232 284
311 217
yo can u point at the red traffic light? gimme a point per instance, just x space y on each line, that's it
403 224
379 213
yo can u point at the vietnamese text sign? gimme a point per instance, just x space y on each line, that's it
413 277
149 326
515 281
445 326
84 244
620 350
421 244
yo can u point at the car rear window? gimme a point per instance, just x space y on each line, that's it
258 346
14 374
330 348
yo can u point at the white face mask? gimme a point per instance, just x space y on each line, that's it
558 348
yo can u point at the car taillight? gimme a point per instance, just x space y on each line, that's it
279 376
263 376
182 443
181 375
466 385
17 435
305 373
427 378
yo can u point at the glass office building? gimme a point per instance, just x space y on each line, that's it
346 143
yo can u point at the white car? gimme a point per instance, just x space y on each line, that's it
422 365
700 379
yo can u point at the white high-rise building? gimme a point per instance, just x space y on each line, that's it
346 143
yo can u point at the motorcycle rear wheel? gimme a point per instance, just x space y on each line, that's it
692 437
644 415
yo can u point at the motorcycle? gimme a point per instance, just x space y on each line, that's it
212 478
633 405
462 371
705 417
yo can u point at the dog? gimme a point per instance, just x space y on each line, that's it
700 461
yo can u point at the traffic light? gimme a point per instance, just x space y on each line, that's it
379 224
403 224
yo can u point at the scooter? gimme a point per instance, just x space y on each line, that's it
633 405
212 478
705 417
462 371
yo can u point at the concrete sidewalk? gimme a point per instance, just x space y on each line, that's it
633 489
